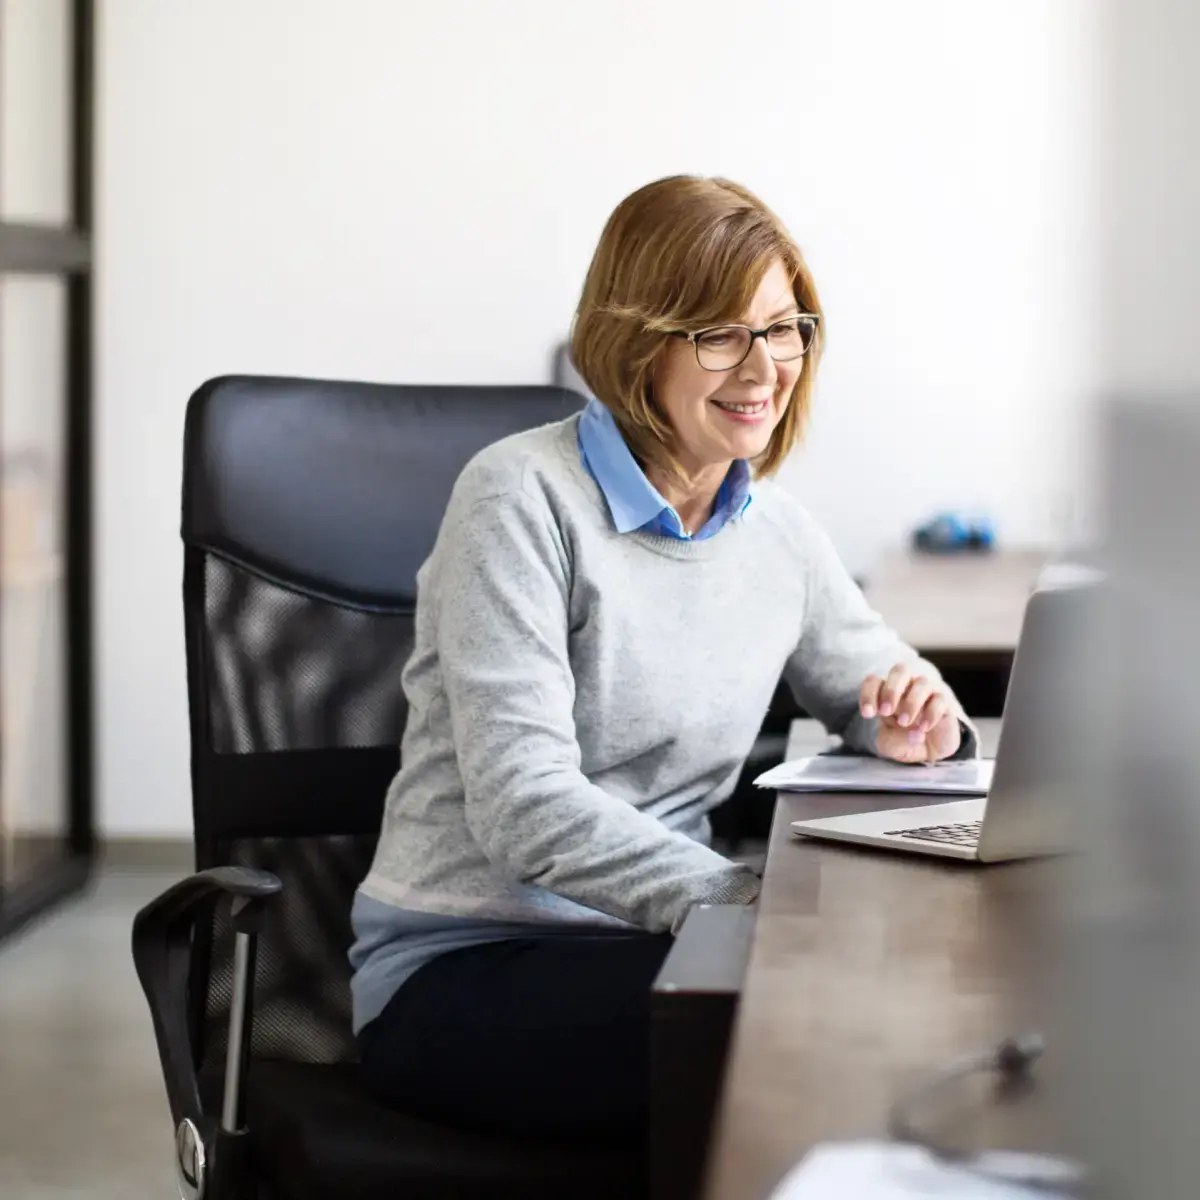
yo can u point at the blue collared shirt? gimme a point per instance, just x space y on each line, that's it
633 501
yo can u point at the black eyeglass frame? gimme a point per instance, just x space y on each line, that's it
754 334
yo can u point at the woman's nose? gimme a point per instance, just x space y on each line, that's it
758 366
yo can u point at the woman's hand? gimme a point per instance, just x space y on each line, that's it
917 723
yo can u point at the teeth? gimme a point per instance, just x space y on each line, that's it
741 408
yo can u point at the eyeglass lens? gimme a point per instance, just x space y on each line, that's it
720 349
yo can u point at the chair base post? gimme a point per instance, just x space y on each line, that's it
230 1177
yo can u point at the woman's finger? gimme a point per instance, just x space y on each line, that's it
944 738
908 709
933 710
893 689
868 696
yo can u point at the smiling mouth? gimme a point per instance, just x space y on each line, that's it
745 409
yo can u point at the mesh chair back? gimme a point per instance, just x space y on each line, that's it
308 507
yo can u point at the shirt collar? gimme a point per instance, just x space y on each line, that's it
736 491
632 499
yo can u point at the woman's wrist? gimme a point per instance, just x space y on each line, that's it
742 888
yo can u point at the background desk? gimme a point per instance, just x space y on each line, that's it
967 606
867 969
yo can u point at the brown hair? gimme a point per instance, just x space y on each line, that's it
680 254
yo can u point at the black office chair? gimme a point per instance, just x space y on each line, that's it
307 509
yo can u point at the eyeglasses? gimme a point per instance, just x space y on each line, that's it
724 347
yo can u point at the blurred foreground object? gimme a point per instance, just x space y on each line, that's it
1126 959
1127 973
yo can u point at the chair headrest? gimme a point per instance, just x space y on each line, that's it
339 488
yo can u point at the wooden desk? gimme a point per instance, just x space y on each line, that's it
956 605
868 969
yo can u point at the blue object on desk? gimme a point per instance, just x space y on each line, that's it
952 533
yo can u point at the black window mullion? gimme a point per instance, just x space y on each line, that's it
79 449
66 252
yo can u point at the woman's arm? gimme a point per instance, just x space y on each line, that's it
844 641
500 582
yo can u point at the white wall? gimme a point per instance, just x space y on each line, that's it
308 187
1151 196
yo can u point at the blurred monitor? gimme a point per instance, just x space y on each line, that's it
1127 929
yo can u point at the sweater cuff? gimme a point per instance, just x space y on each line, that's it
861 734
743 888
969 746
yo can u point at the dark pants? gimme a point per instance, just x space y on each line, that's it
536 1037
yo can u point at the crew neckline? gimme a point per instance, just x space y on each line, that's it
683 549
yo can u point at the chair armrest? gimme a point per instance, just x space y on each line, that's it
162 955
710 952
694 1003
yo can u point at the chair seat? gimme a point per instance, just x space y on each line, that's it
319 1136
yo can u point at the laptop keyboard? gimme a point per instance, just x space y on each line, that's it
965 833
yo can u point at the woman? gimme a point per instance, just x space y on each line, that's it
600 627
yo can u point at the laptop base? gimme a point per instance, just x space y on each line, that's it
932 829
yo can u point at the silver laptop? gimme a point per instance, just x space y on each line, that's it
1021 817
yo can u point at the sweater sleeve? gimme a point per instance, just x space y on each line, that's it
501 579
843 640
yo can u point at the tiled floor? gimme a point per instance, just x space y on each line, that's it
82 1107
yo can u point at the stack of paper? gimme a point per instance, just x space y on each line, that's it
880 1171
862 773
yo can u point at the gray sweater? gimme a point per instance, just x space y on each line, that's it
581 699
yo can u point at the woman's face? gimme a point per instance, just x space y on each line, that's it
696 401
